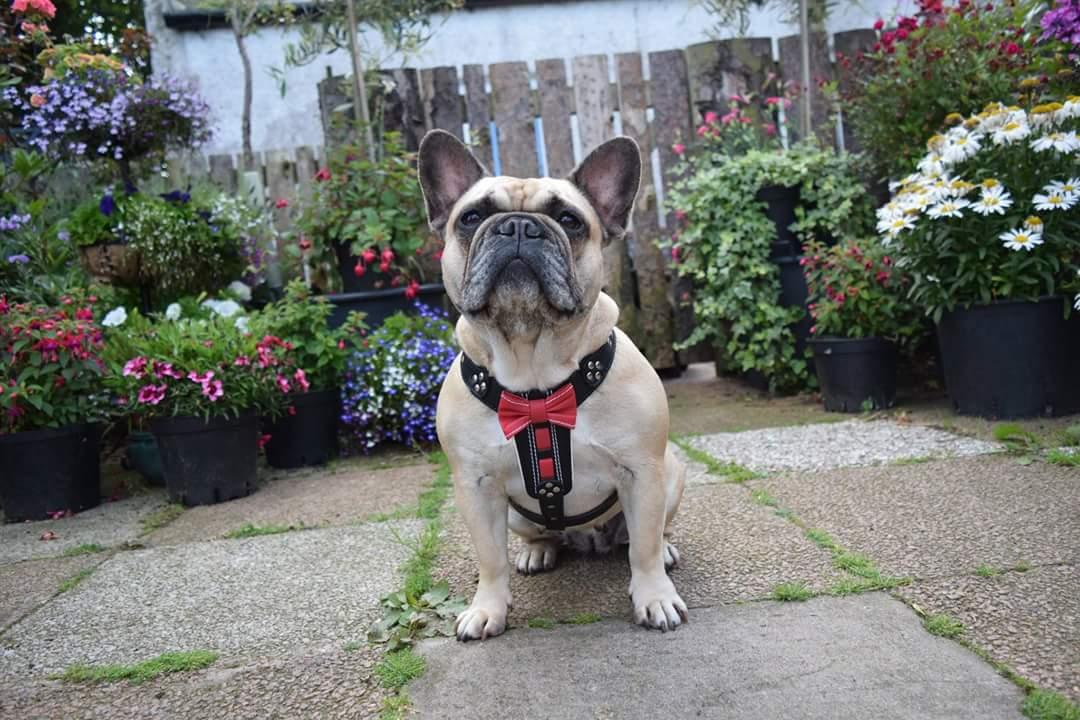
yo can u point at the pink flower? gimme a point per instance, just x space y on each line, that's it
730 117
283 383
44 7
770 130
702 130
281 203
412 290
263 439
242 361
292 409
369 256
737 98
208 343
213 390
678 148
680 215
167 370
675 253
711 117
136 367
301 379
878 24
201 379
323 175
152 394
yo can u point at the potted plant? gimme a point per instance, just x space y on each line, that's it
308 433
392 381
989 230
749 299
51 397
365 236
200 384
861 314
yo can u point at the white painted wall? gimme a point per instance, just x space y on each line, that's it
521 32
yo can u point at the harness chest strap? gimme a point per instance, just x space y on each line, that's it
540 423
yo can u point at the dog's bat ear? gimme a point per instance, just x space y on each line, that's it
610 177
446 169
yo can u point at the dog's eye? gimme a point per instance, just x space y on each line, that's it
569 221
469 219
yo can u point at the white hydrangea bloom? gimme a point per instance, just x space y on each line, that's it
115 318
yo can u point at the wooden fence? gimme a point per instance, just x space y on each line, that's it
528 119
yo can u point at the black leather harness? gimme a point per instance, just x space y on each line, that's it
544 448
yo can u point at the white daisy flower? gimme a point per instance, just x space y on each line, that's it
1034 224
115 318
1014 129
931 165
173 311
1022 239
918 202
241 323
1054 201
898 224
224 308
1071 108
1066 187
948 208
961 147
240 290
993 200
1062 142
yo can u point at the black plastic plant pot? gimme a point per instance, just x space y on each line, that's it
49 471
780 202
207 462
1011 359
144 457
308 437
381 304
855 374
794 293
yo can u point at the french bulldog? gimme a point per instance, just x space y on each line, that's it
523 264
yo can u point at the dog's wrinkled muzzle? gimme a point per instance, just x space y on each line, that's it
517 250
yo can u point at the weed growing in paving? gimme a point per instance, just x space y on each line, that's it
85 549
160 518
353 646
584 618
943 625
140 672
792 592
1022 566
762 497
249 530
399 667
868 576
987 571
402 513
540 623
395 707
853 585
1049 705
921 459
407 616
73 582
730 472
1068 458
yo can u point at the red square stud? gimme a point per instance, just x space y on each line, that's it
547 468
543 438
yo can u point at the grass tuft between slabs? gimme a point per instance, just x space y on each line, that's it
164 664
1049 705
399 667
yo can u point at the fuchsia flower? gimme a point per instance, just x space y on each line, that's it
301 379
263 439
167 370
711 117
136 367
283 383
678 148
152 394
201 379
323 175
242 361
213 390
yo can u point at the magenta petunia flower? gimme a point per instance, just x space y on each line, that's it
201 379
152 394
136 367
213 390
283 383
301 379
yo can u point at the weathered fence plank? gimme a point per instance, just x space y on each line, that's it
478 113
848 45
281 186
514 118
592 95
556 105
442 102
223 173
306 167
723 68
652 328
821 70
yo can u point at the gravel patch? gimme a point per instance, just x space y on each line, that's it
276 593
834 445
108 525
26 585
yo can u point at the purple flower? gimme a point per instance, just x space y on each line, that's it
107 204
19 259
1063 22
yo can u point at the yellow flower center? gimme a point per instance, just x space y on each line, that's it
990 182
1021 238
1011 125
1033 222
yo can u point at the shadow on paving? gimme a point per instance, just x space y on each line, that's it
732 549
858 657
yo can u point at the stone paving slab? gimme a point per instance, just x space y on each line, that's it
109 525
943 518
833 445
331 685
304 589
303 500
753 661
27 585
1028 620
732 549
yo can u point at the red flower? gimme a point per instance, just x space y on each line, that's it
678 148
281 203
1012 49
412 290
384 267
438 255
305 244
879 23
263 439
388 256
398 279
323 175
283 383
292 409
369 256
901 34
359 269
711 117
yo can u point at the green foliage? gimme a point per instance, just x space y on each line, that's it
1049 705
943 625
300 318
84 549
399 667
1067 458
1015 438
375 209
540 623
583 618
725 241
791 592
953 60
855 291
160 518
987 571
137 673
730 472
395 707
75 580
248 530
408 616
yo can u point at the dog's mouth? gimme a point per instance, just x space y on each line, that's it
535 262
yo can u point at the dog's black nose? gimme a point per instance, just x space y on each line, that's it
519 227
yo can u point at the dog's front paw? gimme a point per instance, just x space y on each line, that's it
656 603
483 619
537 556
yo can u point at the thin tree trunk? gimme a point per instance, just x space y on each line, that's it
360 99
245 121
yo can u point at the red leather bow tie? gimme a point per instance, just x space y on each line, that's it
516 413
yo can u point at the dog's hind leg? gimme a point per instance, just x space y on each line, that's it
675 483
541 546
